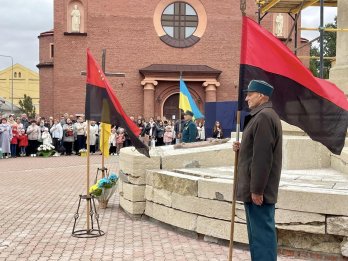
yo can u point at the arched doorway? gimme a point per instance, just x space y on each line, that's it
171 106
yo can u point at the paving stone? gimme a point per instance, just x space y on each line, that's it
39 198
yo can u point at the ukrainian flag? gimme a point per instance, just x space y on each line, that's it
186 102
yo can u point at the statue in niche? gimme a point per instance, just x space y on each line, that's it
75 20
279 25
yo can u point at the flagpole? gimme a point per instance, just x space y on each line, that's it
236 157
235 179
103 129
180 138
103 146
88 169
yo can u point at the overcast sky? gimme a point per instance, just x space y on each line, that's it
21 21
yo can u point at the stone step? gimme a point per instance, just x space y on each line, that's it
323 193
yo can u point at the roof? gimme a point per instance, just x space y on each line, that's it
5 106
180 68
291 6
47 33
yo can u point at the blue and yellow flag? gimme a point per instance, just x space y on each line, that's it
187 103
105 132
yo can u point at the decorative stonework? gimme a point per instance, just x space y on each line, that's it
189 41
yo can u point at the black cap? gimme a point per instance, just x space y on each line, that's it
188 113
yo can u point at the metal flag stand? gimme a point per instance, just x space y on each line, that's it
91 211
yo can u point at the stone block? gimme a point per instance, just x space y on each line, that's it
210 156
300 221
303 153
175 182
135 164
163 197
337 225
149 193
328 244
204 207
313 200
149 177
340 162
132 192
134 208
171 216
219 189
292 130
221 229
344 247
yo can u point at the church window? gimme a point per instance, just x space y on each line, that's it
19 75
179 20
15 74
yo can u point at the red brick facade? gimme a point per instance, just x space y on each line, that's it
126 30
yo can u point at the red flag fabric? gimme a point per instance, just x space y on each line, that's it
315 105
102 104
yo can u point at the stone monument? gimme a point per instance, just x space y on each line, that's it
339 73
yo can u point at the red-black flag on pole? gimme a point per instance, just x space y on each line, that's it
103 106
315 105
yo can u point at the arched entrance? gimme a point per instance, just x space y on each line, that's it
171 106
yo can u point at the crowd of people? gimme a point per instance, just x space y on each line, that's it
20 136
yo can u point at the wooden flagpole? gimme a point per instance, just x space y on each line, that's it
88 170
235 180
236 157
103 145
103 126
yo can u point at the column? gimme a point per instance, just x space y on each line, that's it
149 98
339 72
210 90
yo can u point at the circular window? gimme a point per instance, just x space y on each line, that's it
180 24
179 20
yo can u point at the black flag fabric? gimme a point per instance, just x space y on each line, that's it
315 105
102 104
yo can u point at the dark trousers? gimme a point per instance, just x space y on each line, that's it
13 150
261 231
56 143
81 143
112 149
68 147
32 148
92 148
159 142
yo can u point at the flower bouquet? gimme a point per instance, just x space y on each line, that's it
45 150
83 152
104 189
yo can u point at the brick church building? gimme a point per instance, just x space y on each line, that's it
152 42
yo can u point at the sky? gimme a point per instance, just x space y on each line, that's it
21 21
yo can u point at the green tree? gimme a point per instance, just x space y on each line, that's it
26 106
329 51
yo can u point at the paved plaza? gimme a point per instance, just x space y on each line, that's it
39 196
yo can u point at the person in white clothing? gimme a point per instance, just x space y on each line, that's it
46 137
93 134
112 142
56 134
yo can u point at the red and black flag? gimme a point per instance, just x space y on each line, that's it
103 106
316 106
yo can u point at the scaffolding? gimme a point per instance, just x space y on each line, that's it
293 8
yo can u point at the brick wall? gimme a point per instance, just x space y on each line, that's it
126 30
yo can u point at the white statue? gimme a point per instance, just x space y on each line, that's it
75 20
279 25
